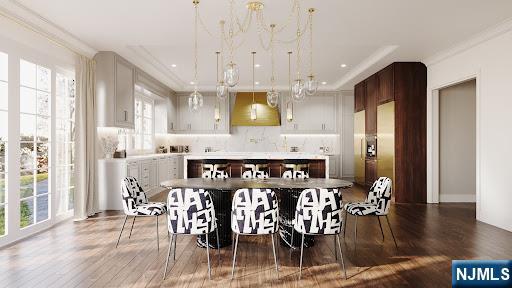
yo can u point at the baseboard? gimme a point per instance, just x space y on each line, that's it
466 198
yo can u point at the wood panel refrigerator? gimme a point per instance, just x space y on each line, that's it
359 147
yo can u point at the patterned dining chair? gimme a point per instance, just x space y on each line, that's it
136 204
215 174
318 212
248 174
289 174
254 212
376 204
190 212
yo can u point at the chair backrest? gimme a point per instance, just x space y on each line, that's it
380 194
215 174
132 195
289 174
318 212
255 174
190 211
254 211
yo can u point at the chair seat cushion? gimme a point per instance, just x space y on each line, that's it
361 208
151 209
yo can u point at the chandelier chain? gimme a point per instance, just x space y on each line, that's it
299 34
311 43
195 43
272 78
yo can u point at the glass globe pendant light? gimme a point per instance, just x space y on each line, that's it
298 87
289 103
221 88
195 99
231 74
311 83
272 95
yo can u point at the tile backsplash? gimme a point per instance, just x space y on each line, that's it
253 139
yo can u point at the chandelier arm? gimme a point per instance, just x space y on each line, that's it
204 27
195 43
272 79
288 21
311 43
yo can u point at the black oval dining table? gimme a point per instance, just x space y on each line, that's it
288 191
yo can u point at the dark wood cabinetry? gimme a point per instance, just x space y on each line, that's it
395 102
372 91
359 96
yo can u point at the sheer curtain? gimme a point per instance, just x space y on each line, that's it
86 195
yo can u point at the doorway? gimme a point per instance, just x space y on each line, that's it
457 142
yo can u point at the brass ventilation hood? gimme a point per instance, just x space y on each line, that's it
266 115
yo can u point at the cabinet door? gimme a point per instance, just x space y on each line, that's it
163 169
386 91
333 166
153 173
183 114
172 113
359 96
124 89
372 90
133 170
370 172
328 113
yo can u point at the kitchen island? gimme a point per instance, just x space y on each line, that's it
319 163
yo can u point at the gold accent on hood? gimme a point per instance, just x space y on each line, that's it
241 115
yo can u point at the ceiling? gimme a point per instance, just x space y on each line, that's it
363 34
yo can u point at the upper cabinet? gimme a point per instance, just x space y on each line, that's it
203 121
372 91
166 111
316 114
386 89
115 84
359 96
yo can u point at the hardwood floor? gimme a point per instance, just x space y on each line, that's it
83 254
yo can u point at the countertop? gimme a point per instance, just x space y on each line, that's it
144 156
256 155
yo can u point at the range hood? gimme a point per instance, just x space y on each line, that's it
266 115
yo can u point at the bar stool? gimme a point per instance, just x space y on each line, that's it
215 165
255 165
296 165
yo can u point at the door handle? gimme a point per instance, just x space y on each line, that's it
125 115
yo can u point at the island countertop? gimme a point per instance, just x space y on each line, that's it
236 158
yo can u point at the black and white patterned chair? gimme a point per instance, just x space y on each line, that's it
255 174
377 204
215 174
136 204
254 212
190 212
318 212
289 174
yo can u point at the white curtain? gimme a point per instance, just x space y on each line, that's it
86 195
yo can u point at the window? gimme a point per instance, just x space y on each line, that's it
64 142
3 142
35 127
142 137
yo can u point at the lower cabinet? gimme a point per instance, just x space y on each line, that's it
149 172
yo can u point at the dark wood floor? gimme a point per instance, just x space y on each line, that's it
83 254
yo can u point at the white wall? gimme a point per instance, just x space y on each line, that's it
491 63
347 135
457 143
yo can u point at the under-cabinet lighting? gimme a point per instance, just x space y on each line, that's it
309 135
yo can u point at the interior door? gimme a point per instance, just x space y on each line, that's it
359 147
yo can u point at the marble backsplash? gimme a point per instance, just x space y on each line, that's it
253 139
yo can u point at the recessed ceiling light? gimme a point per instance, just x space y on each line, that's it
173 65
256 83
343 65
323 83
192 83
257 65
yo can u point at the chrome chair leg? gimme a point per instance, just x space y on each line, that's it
120 233
174 253
218 242
301 254
345 224
168 256
234 257
355 231
133 222
335 251
291 241
274 250
157 238
208 255
381 231
392 234
341 254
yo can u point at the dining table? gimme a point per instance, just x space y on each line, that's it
287 190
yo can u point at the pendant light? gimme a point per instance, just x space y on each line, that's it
254 111
222 87
272 95
231 72
289 103
311 83
298 88
195 100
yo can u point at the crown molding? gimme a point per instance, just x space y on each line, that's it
24 16
473 41
259 88
367 63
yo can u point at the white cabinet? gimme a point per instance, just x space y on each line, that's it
132 169
203 121
333 166
148 174
115 84
166 115
314 115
